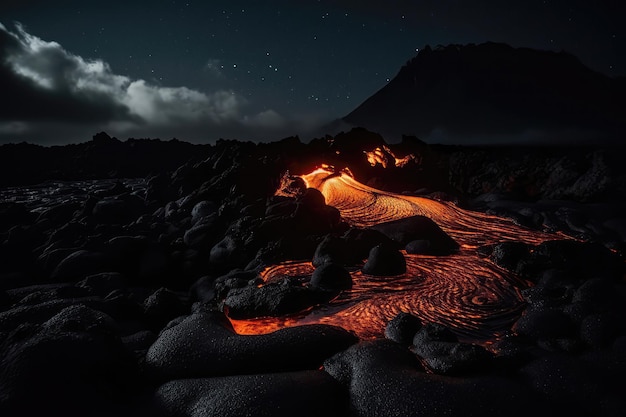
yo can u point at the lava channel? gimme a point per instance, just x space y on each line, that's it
464 291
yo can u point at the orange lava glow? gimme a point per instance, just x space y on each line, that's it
384 156
464 291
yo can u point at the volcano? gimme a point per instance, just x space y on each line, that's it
495 93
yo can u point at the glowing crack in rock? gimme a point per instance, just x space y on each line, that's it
464 291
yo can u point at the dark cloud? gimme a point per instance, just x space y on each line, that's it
37 82
48 89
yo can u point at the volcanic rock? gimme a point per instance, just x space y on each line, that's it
202 346
402 328
544 323
441 351
81 264
384 379
406 230
332 249
103 283
330 276
304 393
12 214
508 255
202 233
384 260
418 247
273 300
66 362
162 306
226 252
590 389
359 242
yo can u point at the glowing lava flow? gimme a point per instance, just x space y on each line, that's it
464 291
364 206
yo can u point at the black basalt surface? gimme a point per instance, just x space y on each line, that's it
115 291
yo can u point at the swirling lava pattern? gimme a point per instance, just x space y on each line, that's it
464 291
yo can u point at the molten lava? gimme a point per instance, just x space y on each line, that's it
464 291
384 156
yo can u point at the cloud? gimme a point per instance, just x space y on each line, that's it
47 87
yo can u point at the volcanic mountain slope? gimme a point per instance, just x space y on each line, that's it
493 92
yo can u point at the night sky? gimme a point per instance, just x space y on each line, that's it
199 71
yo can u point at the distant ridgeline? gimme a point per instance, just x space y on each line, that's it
102 157
583 173
494 93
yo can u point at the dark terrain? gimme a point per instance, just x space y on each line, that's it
112 291
122 262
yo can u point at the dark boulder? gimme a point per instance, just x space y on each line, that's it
71 365
385 379
330 276
359 242
384 260
402 328
202 210
304 393
332 249
202 345
508 255
202 233
162 306
418 247
81 264
406 230
274 300
103 283
544 323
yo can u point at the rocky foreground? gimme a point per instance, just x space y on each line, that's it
113 292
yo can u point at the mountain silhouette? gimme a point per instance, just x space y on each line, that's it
493 92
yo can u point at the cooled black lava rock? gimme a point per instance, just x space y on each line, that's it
304 393
226 253
359 242
418 247
402 328
332 249
434 332
12 214
445 355
330 276
406 230
202 233
384 260
103 283
544 323
600 329
81 264
313 198
202 210
508 255
590 388
273 300
385 379
71 365
162 306
580 258
202 346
